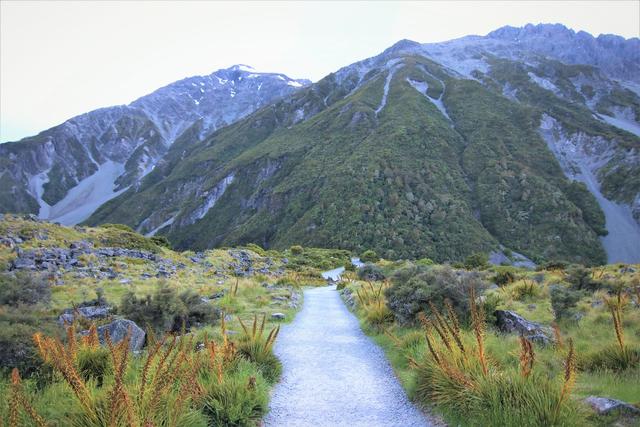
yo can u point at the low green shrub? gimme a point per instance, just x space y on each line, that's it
564 301
504 277
296 250
414 287
166 310
371 272
369 256
478 260
256 248
24 288
582 279
161 241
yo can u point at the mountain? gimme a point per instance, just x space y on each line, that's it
68 171
499 144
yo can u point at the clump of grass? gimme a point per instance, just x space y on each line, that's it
618 357
457 374
161 393
258 349
373 304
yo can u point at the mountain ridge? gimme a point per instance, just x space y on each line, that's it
486 178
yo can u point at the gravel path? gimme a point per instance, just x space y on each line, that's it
334 375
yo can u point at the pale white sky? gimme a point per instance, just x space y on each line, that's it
59 59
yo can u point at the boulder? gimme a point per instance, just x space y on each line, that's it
278 316
606 406
510 322
118 330
88 312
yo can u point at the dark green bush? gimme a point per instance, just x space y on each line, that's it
504 277
121 227
17 349
296 250
478 260
581 279
256 248
167 311
369 256
371 272
116 237
414 287
161 241
564 300
24 288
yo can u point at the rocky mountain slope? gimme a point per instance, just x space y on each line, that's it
506 142
66 172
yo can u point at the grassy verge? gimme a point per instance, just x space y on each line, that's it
475 375
207 360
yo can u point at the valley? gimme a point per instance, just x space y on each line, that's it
440 234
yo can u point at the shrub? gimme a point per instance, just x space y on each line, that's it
371 272
504 277
478 260
166 310
296 250
369 256
581 279
16 347
256 248
121 227
161 241
414 287
424 262
24 288
116 237
564 300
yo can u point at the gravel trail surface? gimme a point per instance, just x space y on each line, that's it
334 375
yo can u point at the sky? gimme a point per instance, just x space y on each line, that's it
59 59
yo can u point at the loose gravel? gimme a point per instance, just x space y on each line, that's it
333 374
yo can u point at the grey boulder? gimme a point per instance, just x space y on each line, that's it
605 406
118 330
510 322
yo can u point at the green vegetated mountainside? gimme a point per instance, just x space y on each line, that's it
349 163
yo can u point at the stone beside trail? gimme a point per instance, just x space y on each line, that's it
333 374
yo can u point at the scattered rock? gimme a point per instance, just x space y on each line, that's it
278 316
118 330
605 406
510 322
89 312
